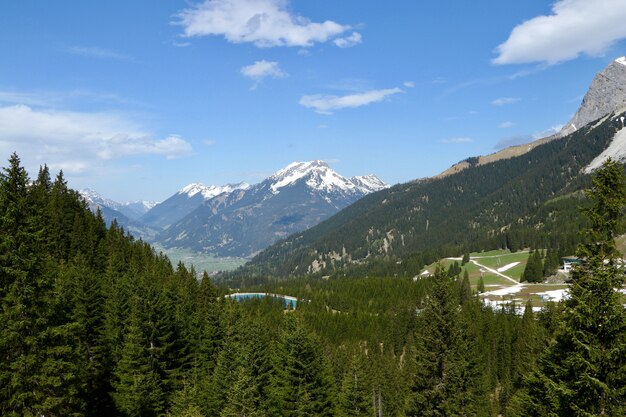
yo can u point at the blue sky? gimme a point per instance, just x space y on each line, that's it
137 99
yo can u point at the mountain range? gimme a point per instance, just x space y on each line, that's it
524 196
241 219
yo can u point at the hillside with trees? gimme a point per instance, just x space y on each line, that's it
95 323
530 200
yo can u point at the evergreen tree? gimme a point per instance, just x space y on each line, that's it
355 396
465 289
583 371
138 390
446 368
534 268
480 287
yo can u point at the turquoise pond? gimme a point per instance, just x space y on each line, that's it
290 302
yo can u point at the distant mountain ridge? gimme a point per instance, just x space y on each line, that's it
529 200
245 221
184 202
241 219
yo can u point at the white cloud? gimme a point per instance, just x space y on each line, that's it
548 132
512 141
409 84
575 27
502 101
506 125
265 23
79 140
327 104
263 69
349 41
459 140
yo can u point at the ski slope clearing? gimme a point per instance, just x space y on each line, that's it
507 267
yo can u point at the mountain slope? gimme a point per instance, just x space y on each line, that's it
112 210
243 222
606 94
184 202
514 202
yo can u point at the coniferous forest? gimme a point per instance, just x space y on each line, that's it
96 323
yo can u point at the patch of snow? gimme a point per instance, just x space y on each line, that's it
506 290
369 183
554 295
213 190
94 198
621 60
615 151
507 267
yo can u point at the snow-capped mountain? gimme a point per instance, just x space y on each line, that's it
246 220
184 202
131 209
125 214
319 176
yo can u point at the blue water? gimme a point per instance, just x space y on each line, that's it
289 302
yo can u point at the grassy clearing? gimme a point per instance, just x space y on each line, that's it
474 273
201 261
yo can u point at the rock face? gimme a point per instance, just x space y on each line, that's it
606 94
245 221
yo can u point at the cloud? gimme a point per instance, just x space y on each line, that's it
458 141
349 41
575 27
265 23
209 142
263 69
327 104
548 132
80 140
502 101
506 125
98 53
512 141
409 84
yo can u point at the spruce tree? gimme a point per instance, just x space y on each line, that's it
583 373
446 368
355 396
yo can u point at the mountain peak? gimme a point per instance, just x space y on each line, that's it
606 94
208 192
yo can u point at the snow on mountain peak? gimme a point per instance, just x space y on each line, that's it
621 60
213 190
322 177
369 183
93 197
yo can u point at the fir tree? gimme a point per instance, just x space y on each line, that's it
355 396
446 371
583 371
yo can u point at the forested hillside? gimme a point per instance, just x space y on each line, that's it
95 323
527 201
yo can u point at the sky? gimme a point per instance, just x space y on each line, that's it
136 99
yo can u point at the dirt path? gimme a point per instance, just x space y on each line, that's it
493 271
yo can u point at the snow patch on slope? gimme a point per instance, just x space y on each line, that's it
621 60
616 151
213 190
